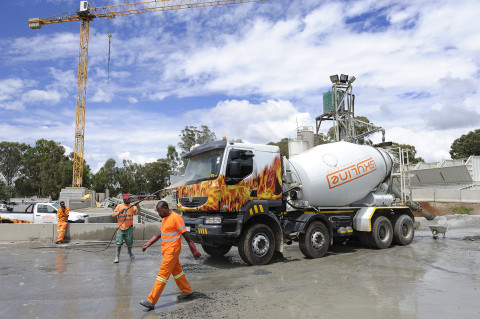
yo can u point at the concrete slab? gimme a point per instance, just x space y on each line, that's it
427 279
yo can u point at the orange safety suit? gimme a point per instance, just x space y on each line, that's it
62 222
172 229
125 220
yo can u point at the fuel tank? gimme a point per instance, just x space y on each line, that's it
341 173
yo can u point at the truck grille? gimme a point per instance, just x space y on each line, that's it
196 201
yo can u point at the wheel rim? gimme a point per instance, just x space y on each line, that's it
383 233
405 230
317 239
260 244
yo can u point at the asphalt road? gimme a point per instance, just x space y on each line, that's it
427 279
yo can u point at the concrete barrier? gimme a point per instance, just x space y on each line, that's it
423 195
470 196
446 195
27 232
92 232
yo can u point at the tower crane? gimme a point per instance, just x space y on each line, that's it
85 14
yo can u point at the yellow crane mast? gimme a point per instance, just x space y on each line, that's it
85 14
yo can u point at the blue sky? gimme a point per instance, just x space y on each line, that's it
249 71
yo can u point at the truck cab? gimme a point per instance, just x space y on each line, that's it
225 186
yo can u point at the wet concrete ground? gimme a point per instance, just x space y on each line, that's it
427 279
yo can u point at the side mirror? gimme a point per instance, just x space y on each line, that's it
247 155
235 154
234 170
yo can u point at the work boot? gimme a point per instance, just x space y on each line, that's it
132 256
118 254
147 304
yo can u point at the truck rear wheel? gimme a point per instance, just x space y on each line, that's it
257 245
381 235
216 251
314 242
403 230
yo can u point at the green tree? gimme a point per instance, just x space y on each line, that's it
131 178
361 128
466 145
362 125
68 173
283 145
173 160
412 152
11 154
190 136
324 138
43 171
106 178
157 175
5 191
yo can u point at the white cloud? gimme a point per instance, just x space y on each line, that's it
268 121
33 96
256 68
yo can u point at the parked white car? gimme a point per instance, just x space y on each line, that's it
39 213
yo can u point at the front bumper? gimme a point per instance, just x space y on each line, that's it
230 227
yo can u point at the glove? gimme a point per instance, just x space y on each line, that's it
196 254
149 243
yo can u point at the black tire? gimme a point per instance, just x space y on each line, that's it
381 235
216 251
403 230
315 241
257 245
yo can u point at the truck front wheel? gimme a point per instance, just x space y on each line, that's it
314 242
257 245
216 251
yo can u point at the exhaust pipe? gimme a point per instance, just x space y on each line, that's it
413 205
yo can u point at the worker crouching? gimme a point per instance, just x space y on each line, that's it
171 231
125 213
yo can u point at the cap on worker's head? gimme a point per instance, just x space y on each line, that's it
125 196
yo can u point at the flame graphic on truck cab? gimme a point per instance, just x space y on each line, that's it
231 198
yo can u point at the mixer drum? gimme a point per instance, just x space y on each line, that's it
341 173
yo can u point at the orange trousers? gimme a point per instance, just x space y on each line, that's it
170 266
61 229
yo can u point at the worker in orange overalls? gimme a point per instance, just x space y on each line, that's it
171 231
62 222
125 225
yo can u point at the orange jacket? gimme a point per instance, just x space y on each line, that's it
63 214
172 229
125 220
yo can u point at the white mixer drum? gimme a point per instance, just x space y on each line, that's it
341 173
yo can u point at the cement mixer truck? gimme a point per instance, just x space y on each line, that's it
247 195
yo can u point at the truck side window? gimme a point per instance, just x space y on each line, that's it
239 166
42 209
51 210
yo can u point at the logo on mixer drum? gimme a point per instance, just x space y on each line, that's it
351 173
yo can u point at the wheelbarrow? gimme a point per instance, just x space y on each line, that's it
436 230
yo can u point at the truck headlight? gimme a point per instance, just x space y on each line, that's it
212 220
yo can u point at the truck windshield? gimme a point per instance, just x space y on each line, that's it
203 166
